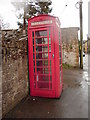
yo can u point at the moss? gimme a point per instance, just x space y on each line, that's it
70 46
88 51
66 66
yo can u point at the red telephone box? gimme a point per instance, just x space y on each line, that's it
45 56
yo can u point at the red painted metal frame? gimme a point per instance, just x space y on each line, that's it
53 31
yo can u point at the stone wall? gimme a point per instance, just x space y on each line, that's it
0 78
14 69
88 45
70 47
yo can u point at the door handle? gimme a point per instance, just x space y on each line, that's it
53 55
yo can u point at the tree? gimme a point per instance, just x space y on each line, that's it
3 24
26 9
44 7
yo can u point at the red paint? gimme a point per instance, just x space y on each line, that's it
45 56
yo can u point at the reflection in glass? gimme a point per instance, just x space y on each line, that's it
40 63
32 34
33 49
40 33
34 81
41 55
41 41
43 81
41 48
33 41
42 70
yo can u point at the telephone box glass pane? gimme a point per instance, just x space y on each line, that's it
32 34
33 49
41 48
60 56
40 33
34 81
42 56
42 81
42 70
41 41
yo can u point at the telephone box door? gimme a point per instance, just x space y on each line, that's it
42 73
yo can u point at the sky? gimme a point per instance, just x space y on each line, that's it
68 15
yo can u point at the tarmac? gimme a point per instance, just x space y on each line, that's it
73 102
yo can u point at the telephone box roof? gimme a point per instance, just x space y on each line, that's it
42 15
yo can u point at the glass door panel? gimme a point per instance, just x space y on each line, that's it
42 59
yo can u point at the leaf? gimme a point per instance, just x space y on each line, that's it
31 8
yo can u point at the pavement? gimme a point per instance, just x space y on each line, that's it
73 102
